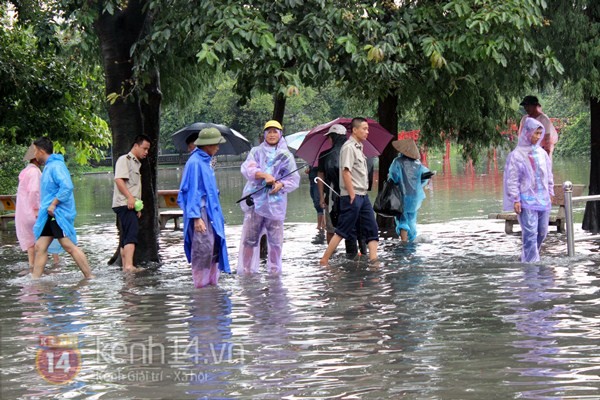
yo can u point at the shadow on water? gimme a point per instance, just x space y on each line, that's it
453 316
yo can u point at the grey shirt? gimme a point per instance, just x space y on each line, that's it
127 168
353 159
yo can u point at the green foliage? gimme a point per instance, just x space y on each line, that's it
573 32
575 137
47 90
220 104
455 66
11 163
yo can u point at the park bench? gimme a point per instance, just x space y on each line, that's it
558 219
168 208
8 203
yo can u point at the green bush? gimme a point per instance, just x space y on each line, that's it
574 139
11 163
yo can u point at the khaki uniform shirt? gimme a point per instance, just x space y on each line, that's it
127 168
353 159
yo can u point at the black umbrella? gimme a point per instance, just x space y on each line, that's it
236 142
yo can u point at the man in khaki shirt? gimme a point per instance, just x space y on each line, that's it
355 205
128 189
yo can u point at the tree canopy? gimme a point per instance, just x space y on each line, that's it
45 90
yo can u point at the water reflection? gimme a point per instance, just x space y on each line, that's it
454 315
212 355
553 336
265 318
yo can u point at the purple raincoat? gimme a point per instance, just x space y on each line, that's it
528 179
528 172
267 214
277 161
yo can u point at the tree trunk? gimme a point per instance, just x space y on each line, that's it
279 108
128 116
387 113
591 217
149 226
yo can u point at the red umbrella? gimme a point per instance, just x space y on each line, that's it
316 142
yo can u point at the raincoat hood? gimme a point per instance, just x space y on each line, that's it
281 144
529 127
277 161
528 175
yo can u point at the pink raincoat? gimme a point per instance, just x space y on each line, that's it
28 205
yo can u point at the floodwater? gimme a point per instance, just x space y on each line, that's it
453 316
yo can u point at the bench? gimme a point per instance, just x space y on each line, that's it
558 219
168 209
7 203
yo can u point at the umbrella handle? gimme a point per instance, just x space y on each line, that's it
330 188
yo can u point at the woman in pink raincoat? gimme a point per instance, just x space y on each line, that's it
27 207
529 187
269 165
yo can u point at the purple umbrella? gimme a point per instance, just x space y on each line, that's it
316 142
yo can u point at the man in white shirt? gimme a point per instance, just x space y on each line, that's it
533 108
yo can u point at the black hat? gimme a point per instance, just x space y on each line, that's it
530 101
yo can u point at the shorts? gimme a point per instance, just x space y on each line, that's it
52 229
359 212
129 225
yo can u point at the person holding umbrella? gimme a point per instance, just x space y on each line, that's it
409 174
355 205
203 222
272 167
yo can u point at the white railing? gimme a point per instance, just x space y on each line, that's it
569 200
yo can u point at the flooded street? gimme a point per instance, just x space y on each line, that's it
453 316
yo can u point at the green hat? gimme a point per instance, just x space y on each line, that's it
208 136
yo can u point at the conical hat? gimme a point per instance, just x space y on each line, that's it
30 154
408 147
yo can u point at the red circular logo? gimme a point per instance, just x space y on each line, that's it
58 365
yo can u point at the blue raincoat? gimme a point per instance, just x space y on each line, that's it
56 183
198 190
406 173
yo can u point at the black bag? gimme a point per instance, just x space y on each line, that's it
388 202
